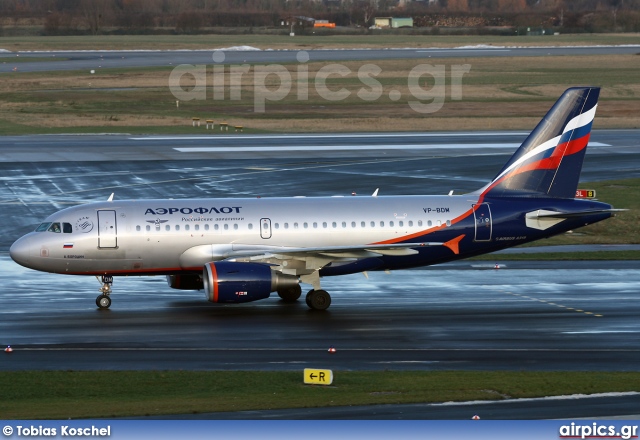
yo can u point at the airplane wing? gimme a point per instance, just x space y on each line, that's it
300 258
362 251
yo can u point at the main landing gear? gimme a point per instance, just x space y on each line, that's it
103 301
290 294
318 299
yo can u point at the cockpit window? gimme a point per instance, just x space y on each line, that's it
66 228
55 227
43 227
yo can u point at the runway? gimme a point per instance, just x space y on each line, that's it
462 316
467 315
617 406
86 60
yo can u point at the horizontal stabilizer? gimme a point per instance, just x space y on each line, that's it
563 215
542 219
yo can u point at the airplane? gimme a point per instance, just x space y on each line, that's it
241 249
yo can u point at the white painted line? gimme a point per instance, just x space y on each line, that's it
463 49
241 149
329 136
342 148
536 399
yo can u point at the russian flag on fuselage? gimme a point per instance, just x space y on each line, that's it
549 161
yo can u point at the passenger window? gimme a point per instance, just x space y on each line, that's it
362 224
55 227
250 226
197 227
138 228
167 228
391 224
334 224
43 227
148 228
206 227
66 228
186 227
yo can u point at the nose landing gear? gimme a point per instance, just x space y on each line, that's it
103 301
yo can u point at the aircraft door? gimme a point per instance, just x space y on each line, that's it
265 228
484 224
107 229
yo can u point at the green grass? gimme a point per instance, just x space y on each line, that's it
505 93
69 394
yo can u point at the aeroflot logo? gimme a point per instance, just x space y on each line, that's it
223 210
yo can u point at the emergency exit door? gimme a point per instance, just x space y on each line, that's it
265 228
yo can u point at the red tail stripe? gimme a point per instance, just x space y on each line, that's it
572 147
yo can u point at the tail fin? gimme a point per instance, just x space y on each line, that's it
549 161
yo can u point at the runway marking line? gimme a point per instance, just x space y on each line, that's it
553 304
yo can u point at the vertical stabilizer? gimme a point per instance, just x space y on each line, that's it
549 161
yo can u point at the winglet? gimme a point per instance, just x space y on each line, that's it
110 199
454 244
375 193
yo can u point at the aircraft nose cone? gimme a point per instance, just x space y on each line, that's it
20 251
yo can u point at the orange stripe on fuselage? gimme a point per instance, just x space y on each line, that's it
431 230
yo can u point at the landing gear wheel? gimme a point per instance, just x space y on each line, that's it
318 299
103 302
308 298
290 294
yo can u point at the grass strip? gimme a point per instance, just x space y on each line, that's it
75 394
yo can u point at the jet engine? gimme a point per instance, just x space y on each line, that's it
233 282
185 282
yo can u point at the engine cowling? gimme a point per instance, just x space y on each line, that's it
233 282
185 282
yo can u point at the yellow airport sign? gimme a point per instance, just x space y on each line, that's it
318 377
